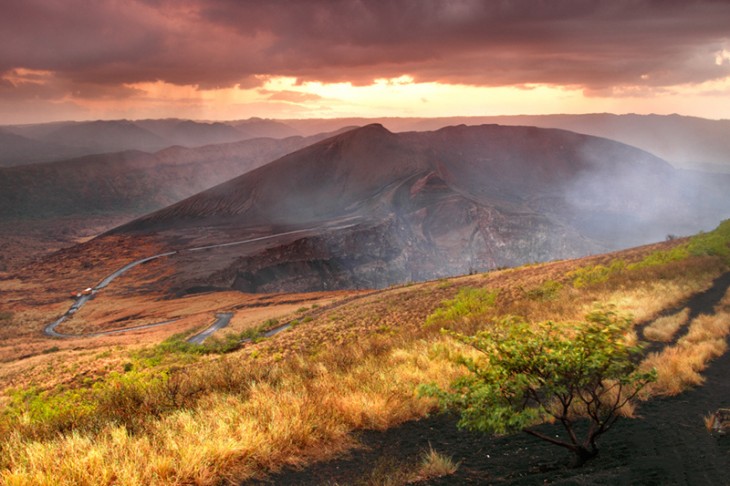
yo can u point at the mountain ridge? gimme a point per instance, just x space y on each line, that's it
441 203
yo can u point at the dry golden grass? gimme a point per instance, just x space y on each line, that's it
303 412
435 465
664 328
679 366
645 302
707 328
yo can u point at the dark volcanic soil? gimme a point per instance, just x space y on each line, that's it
668 445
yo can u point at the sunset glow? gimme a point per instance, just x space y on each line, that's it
220 60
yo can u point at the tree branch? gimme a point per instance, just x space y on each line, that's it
552 440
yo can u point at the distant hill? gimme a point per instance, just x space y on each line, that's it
15 147
106 136
380 208
130 183
685 142
258 127
187 133
29 144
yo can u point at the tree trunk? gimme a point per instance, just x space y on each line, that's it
583 454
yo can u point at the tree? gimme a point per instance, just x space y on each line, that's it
549 372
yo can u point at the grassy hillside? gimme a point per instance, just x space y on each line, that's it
170 413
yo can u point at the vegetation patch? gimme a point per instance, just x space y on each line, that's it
596 274
679 366
715 243
468 302
531 374
548 290
664 328
435 465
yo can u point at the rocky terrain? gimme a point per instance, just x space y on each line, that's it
424 205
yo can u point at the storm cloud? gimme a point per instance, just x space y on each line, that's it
93 48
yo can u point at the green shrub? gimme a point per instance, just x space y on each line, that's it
469 301
549 372
548 290
596 274
42 413
662 257
714 243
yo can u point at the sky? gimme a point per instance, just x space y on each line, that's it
235 59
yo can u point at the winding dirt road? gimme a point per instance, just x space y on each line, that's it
222 319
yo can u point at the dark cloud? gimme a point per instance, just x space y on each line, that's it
602 46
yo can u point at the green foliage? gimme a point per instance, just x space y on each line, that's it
177 346
662 257
6 316
49 412
530 374
714 243
595 274
548 290
469 301
130 399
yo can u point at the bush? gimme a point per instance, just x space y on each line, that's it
548 290
469 301
549 372
714 243
596 274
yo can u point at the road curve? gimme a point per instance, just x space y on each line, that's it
222 321
50 329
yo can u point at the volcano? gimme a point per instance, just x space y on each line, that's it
371 208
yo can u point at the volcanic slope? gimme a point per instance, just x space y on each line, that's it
382 208
44 207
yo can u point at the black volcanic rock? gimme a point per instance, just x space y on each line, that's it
413 206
